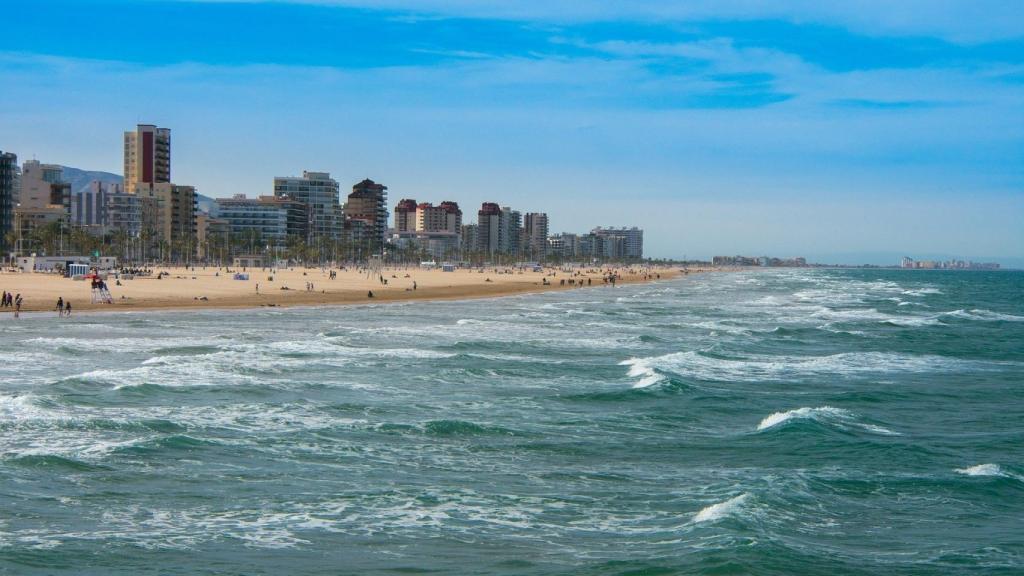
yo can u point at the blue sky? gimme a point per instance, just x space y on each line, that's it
794 128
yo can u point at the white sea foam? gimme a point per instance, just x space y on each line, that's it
693 364
120 345
21 408
826 414
721 509
988 470
922 291
873 315
820 413
641 368
985 315
878 429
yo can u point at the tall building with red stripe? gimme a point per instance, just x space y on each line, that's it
147 155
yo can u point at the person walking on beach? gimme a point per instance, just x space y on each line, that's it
67 309
17 306
60 306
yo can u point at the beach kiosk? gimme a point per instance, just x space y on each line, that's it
75 269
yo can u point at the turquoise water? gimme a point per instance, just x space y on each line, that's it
771 422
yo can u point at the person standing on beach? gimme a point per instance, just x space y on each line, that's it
17 306
67 309
60 306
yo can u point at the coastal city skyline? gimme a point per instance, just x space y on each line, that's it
884 135
144 215
82 207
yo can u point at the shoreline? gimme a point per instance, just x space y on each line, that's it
144 295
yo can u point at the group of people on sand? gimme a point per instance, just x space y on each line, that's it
137 271
63 308
8 300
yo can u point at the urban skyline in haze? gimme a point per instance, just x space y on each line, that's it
833 133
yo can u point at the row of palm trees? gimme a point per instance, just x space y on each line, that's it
59 239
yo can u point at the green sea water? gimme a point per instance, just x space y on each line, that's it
764 422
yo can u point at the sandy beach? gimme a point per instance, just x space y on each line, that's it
212 287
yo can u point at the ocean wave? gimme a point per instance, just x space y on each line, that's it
643 369
988 470
984 315
720 510
462 428
873 315
922 291
21 408
117 345
822 414
52 461
697 365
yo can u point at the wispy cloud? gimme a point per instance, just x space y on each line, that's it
964 21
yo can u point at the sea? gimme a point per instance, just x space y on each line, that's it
793 421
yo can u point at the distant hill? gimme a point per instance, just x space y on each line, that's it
205 203
80 180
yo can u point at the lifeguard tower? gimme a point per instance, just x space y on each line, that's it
100 292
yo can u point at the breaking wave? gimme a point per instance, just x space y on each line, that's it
988 470
823 414
721 509
701 366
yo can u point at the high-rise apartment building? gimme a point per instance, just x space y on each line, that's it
147 155
368 203
320 193
8 179
498 229
511 231
445 217
469 238
535 235
488 232
405 216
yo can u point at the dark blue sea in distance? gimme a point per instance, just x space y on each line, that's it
764 422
